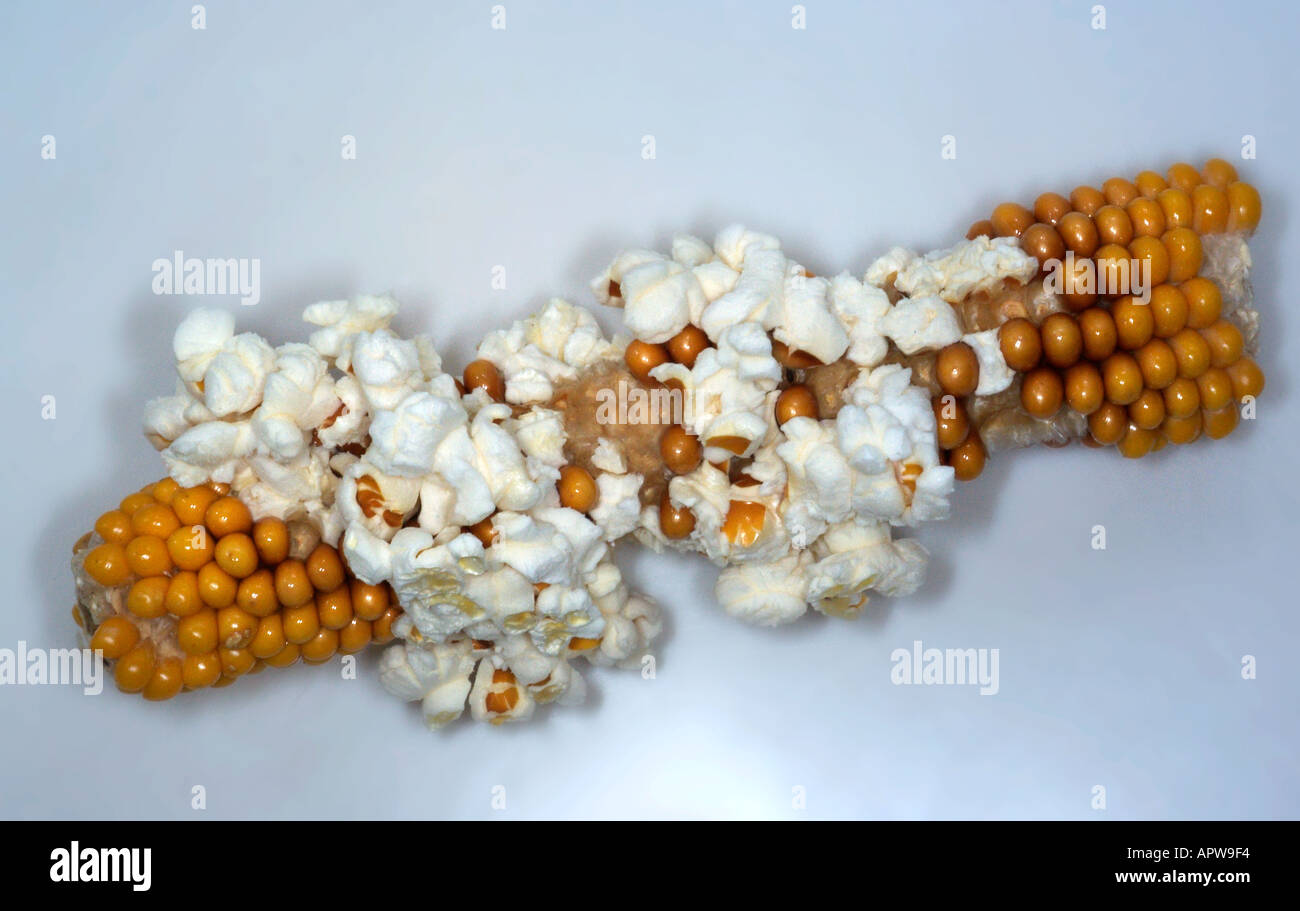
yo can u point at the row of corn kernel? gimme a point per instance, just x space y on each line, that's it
234 598
1178 364
680 450
1207 202
957 373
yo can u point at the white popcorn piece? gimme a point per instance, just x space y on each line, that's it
197 413
974 265
608 457
503 594
268 498
716 278
436 501
404 441
726 389
886 431
535 354
445 702
536 549
995 375
530 666
772 542
164 419
889 386
585 541
386 367
745 350
456 461
857 558
341 319
438 675
501 462
233 381
430 581
921 324
605 585
690 251
707 493
756 297
647 620
561 683
767 468
209 452
861 307
565 612
931 498
497 697
735 242
381 502
871 437
199 338
567 334
430 359
620 643
884 270
659 297
349 422
765 594
607 285
307 479
633 622
807 321
298 395
483 463
541 436
819 478
618 508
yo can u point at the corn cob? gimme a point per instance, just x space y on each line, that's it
182 589
1106 367
189 587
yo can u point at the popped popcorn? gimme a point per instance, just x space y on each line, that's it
553 345
765 594
995 374
659 298
966 268
921 323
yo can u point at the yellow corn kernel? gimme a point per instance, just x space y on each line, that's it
107 564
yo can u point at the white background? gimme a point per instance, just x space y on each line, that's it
522 148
